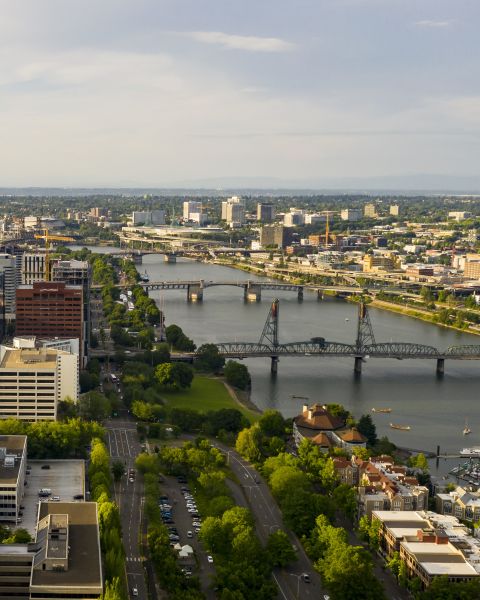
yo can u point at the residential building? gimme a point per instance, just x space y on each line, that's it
370 211
394 210
265 212
351 214
386 486
314 218
10 265
51 310
34 380
325 430
151 217
13 461
233 211
460 503
63 562
33 268
430 545
274 235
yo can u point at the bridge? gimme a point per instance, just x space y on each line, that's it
252 289
364 347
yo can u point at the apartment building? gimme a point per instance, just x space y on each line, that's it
233 211
64 560
370 211
265 212
379 262
386 486
429 544
351 214
13 460
33 381
460 503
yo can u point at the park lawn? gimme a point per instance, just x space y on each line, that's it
205 394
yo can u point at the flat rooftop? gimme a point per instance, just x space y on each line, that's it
29 359
84 556
14 445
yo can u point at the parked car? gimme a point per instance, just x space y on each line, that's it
45 467
189 534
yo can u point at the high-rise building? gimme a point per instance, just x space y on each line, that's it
233 211
294 217
33 268
274 235
49 309
351 214
394 210
265 212
34 380
76 272
370 211
10 266
151 217
193 211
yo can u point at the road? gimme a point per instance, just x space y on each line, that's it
269 518
123 445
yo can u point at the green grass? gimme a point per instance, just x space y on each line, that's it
204 395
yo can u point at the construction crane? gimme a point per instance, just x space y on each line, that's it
48 239
327 225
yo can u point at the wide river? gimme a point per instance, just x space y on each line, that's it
435 408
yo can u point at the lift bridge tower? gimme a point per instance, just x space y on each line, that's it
270 334
365 335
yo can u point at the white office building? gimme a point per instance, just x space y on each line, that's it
150 217
351 214
33 268
34 380
233 211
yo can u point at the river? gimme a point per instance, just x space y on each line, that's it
435 408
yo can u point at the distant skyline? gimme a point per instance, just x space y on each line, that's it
299 93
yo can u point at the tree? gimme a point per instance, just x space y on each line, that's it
118 469
366 427
174 375
279 549
88 381
272 423
420 462
94 406
208 358
237 374
249 443
345 498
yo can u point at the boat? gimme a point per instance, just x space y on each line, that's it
401 427
474 451
382 410
347 320
466 429
145 278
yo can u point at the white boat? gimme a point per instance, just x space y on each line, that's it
474 451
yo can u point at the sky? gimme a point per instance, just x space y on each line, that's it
180 92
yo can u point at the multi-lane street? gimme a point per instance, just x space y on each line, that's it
124 446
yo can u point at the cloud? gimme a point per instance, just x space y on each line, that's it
249 43
433 24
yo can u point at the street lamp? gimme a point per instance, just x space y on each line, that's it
298 583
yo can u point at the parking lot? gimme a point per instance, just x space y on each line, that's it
183 522
66 479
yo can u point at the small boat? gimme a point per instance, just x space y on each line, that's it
145 278
347 320
466 429
475 451
401 427
382 410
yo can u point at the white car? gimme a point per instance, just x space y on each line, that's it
134 591
209 558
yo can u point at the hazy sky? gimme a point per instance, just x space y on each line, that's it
163 92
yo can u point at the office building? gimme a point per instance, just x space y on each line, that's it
430 545
294 217
10 265
31 222
33 268
472 267
64 561
13 460
459 215
193 212
151 217
51 310
233 211
274 236
351 214
373 263
314 218
265 212
34 380
370 211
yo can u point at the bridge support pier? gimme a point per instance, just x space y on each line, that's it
300 293
440 366
357 368
274 365
194 293
252 292
319 294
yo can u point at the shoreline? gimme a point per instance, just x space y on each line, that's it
241 397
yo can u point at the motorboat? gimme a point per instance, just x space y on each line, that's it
474 451
381 410
400 427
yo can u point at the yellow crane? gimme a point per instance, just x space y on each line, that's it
48 237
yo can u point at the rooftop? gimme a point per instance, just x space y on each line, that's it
30 359
11 446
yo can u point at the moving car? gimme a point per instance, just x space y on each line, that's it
209 558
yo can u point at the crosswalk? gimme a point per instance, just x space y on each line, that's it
134 559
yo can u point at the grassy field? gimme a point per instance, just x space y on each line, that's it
204 395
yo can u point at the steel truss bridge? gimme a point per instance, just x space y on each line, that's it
365 346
